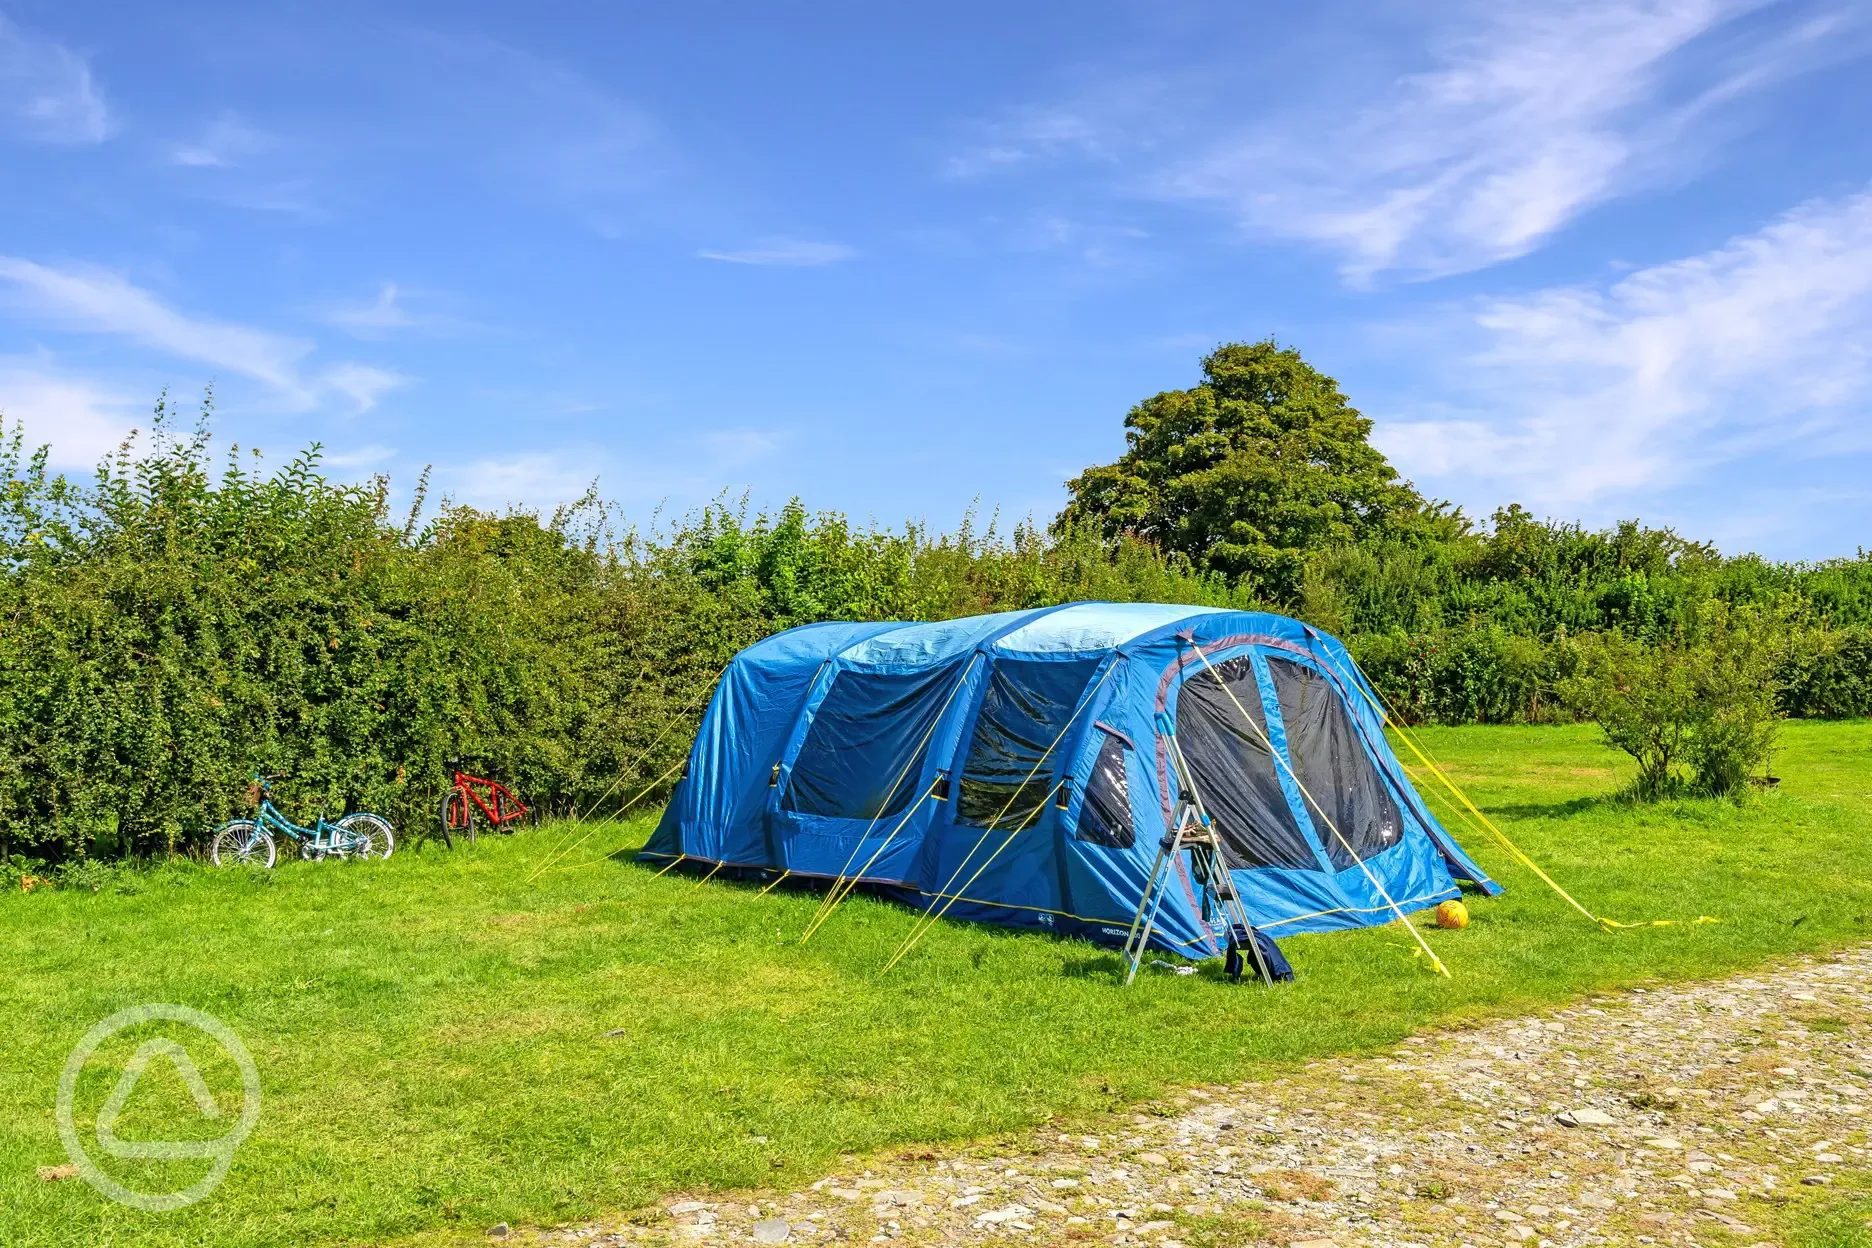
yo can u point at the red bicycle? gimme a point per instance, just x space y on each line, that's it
467 794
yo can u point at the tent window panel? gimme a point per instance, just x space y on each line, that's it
870 730
1234 770
1024 711
1105 815
1331 761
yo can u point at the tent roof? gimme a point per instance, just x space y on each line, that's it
1096 626
1075 628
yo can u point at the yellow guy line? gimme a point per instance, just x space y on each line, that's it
825 911
832 897
932 920
558 857
1436 963
1482 821
926 921
675 719
776 882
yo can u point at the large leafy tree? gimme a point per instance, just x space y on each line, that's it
1247 473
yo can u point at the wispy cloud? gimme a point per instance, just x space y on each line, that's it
536 127
227 141
80 420
47 92
1585 393
93 300
374 317
540 479
100 301
1531 115
728 449
1050 131
362 384
368 456
1520 119
785 252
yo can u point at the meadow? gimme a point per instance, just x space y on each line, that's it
445 1043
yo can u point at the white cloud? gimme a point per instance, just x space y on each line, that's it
363 457
539 479
378 316
1589 393
99 301
227 141
1041 132
1518 119
81 421
363 384
47 92
1531 115
788 252
533 126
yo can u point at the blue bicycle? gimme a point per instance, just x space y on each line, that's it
359 835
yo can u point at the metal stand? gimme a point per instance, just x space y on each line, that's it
1196 833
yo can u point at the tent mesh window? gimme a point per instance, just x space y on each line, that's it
1234 770
1331 762
870 729
1105 815
1024 710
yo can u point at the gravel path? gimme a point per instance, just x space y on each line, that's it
1688 1115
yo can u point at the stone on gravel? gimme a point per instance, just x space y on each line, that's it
772 1231
1587 1117
500 1230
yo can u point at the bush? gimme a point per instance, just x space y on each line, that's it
1828 674
173 630
1697 711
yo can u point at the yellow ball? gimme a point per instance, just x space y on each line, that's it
1452 914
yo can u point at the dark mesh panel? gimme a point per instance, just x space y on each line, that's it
869 729
1105 815
1332 763
1234 770
1027 704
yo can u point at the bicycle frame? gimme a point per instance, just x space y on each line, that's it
473 786
322 837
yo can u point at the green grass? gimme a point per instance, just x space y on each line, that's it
432 1037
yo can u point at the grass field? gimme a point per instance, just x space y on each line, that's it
444 1045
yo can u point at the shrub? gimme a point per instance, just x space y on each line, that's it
1697 711
1828 673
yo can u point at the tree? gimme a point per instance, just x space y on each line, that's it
1248 472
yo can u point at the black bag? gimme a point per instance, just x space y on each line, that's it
1279 971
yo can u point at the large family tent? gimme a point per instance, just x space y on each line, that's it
1014 769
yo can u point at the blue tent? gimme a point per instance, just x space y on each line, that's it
1014 768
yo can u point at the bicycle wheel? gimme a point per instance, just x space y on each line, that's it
242 841
371 835
457 817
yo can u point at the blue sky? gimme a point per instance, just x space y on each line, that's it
1607 260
